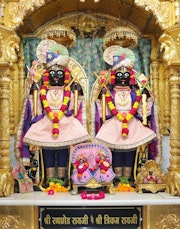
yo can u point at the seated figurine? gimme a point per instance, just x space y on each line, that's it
91 166
150 178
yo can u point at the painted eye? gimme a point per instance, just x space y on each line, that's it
52 72
60 73
119 74
126 74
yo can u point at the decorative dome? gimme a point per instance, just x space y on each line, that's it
122 36
61 34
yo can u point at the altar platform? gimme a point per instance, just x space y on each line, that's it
67 199
124 210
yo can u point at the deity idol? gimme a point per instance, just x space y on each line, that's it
56 126
122 110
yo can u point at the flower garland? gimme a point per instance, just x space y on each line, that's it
93 196
119 116
55 116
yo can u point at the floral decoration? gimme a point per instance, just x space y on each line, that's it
93 196
55 116
123 118
55 187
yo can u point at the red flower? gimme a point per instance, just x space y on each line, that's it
55 131
114 111
63 107
108 99
125 131
55 120
48 109
138 99
43 97
133 111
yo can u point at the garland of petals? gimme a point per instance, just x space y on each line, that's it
55 117
119 116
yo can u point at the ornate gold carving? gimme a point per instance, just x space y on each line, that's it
16 11
173 176
4 122
172 183
177 11
9 46
11 222
171 221
6 184
12 48
161 10
87 25
150 178
168 47
2 6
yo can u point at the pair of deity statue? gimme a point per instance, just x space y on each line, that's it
55 112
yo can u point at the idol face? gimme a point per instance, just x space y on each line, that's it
56 76
122 77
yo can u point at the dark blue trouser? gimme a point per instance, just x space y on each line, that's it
123 159
55 157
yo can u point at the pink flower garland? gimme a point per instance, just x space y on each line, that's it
119 116
93 196
55 116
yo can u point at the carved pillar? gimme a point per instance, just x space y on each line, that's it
21 83
177 11
155 65
173 175
11 111
6 177
175 123
155 79
166 109
4 121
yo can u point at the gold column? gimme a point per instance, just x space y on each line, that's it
21 83
155 78
6 178
175 123
173 175
166 109
177 11
4 121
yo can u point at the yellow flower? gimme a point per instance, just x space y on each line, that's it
119 116
138 93
66 100
129 116
136 104
60 114
55 125
124 135
45 103
111 105
124 125
43 92
51 115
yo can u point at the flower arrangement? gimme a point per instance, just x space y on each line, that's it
55 185
124 186
55 116
119 116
